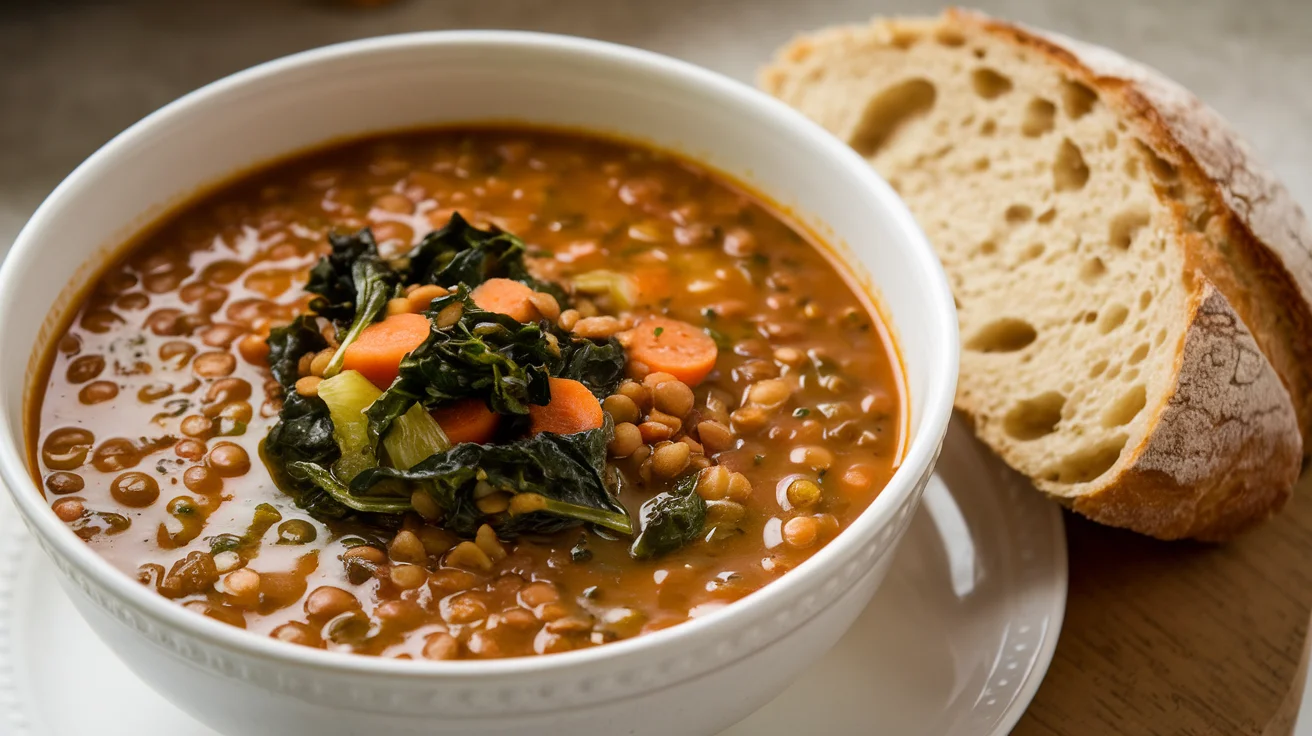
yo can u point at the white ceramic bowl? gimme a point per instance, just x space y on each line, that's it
694 678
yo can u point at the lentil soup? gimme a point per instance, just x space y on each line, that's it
467 394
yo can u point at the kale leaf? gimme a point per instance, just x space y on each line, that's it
558 482
670 520
460 253
286 346
597 365
303 435
483 354
333 280
375 282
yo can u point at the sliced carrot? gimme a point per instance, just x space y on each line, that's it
572 409
467 420
507 297
377 353
671 346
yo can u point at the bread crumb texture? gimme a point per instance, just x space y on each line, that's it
1100 354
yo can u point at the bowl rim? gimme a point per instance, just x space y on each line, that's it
921 447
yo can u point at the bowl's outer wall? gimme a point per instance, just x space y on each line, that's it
705 704
693 678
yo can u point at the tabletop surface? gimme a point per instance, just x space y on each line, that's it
1159 638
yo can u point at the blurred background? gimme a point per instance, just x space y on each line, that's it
78 71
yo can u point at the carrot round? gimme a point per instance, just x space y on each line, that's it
671 346
467 420
377 353
507 297
572 409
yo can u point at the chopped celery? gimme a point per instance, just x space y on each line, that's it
620 287
347 395
414 436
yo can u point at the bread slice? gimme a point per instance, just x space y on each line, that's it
1133 289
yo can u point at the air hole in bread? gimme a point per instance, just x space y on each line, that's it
1161 337
1127 224
988 128
980 53
1088 317
1132 167
1077 100
1069 172
1138 355
1018 213
1040 115
1085 465
968 121
1199 221
1126 408
1145 300
1140 324
990 84
1162 170
1048 216
1005 335
950 38
1093 268
1110 141
904 38
1097 369
988 248
1034 417
1113 317
1160 270
1034 251
982 163
1113 372
892 109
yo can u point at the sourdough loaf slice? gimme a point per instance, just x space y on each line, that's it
1110 244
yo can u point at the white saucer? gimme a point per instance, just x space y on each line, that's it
954 643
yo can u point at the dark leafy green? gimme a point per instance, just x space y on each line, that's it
333 278
288 343
460 253
375 283
558 481
483 354
563 477
303 435
597 365
324 479
670 520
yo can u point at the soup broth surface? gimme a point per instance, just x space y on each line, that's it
159 394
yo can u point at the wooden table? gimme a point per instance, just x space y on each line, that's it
1171 638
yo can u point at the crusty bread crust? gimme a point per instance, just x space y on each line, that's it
1223 446
1224 449
1250 238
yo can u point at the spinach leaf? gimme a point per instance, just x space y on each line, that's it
670 520
460 253
558 482
375 282
483 354
599 366
332 278
286 346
